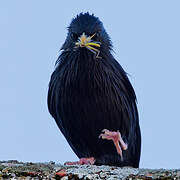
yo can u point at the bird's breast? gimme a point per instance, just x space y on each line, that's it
90 96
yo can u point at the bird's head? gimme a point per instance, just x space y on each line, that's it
87 31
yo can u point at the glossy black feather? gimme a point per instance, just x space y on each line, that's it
87 95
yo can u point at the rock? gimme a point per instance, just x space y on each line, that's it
14 170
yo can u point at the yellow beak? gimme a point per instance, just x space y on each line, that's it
86 41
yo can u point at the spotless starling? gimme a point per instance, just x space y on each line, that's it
92 100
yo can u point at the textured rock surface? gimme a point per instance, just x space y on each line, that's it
18 170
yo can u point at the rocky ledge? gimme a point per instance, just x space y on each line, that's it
18 170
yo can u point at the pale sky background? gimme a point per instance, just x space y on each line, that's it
146 39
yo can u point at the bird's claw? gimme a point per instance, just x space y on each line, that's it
90 161
116 138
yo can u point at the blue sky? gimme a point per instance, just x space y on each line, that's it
146 39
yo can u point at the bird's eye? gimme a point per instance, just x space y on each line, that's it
74 36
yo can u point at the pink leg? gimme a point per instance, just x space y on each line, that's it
116 138
82 161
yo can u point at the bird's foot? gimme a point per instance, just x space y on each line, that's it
82 161
116 138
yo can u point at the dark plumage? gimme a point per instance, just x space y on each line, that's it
88 94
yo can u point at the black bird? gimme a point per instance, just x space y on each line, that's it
92 100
